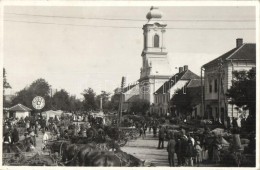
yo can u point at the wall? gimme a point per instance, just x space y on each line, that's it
21 114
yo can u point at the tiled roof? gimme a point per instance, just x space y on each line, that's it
20 107
247 52
194 83
244 52
125 89
185 75
133 98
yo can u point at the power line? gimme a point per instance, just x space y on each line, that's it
129 19
103 26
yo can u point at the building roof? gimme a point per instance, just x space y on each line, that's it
245 52
125 89
129 87
133 98
194 83
21 108
184 75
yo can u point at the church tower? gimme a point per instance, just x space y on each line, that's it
155 66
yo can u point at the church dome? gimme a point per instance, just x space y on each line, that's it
154 13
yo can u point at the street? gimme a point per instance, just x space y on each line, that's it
146 149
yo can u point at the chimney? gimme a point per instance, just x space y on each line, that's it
180 69
186 67
239 42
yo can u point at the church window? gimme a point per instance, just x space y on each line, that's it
156 40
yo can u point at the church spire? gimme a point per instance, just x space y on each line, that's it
154 13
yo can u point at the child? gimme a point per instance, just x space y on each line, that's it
198 153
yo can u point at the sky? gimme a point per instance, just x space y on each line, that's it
71 53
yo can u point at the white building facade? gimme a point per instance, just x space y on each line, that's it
155 69
218 76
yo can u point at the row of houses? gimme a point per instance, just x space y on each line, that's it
209 88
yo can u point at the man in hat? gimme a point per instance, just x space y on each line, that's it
161 137
171 149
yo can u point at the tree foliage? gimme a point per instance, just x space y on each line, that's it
115 100
38 88
106 104
75 104
243 94
5 83
89 102
243 90
61 100
185 101
139 106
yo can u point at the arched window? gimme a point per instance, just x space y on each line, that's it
156 40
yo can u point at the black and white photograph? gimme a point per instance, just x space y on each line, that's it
150 85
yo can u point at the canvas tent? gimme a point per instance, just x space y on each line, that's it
19 111
52 113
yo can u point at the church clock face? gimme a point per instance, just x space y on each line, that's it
38 102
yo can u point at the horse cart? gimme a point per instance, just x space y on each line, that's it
126 134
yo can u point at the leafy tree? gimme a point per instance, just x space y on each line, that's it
6 85
89 102
139 106
75 104
61 100
106 104
243 94
38 88
186 101
115 100
243 90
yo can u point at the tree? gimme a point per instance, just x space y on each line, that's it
6 85
38 88
75 104
89 102
61 101
243 94
106 104
186 101
243 90
139 106
115 100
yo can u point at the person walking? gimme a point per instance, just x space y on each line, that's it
7 142
45 139
15 135
154 129
171 150
144 129
189 153
198 150
161 138
32 135
178 150
215 149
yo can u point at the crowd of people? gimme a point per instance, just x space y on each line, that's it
27 129
185 148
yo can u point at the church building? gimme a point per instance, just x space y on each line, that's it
155 70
